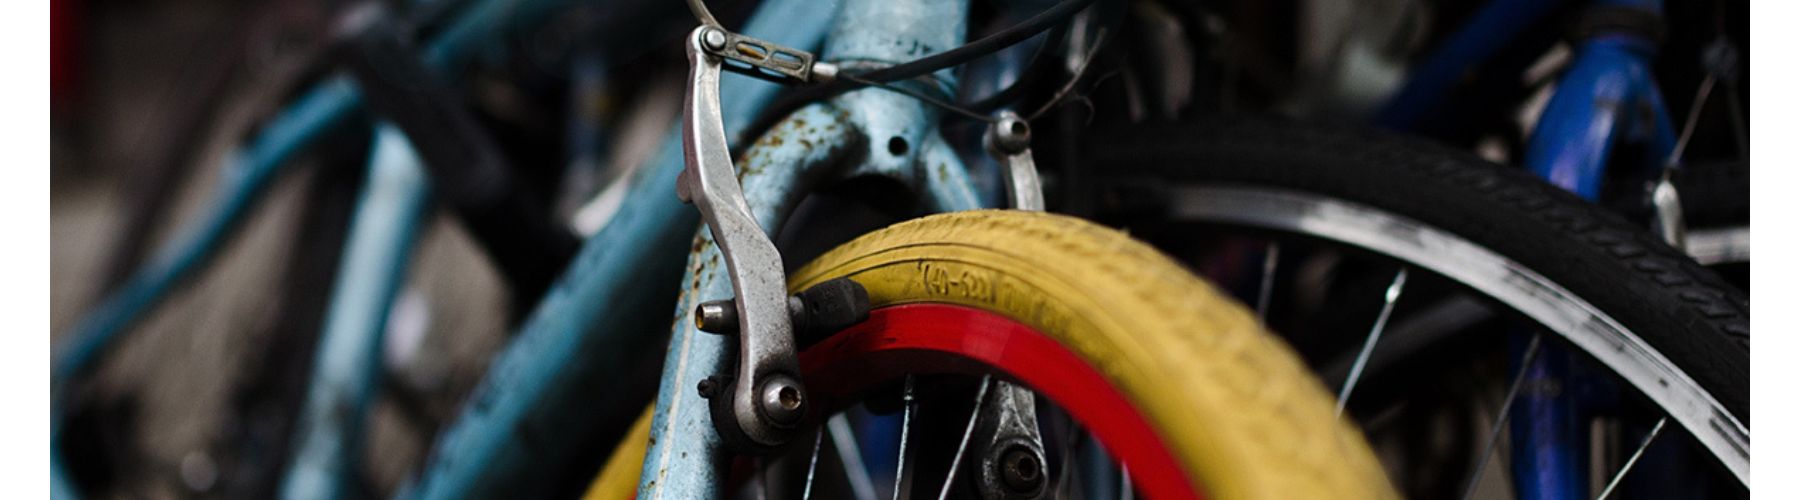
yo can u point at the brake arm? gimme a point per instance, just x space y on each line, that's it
762 403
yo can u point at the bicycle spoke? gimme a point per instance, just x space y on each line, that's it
1693 120
1368 347
850 457
969 431
1125 491
1270 258
812 464
762 485
1512 392
905 428
1614 483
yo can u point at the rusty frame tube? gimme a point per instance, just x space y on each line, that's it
861 133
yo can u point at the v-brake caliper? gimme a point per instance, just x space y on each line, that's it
759 405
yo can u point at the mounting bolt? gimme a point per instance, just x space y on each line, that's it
708 387
718 316
1009 135
782 400
713 38
1020 470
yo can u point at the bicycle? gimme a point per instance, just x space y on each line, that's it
588 326
1341 197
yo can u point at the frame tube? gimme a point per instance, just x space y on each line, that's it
884 133
326 105
544 392
348 365
1607 97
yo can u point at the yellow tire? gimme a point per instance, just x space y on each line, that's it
1236 407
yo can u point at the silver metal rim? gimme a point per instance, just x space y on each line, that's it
1491 274
1728 245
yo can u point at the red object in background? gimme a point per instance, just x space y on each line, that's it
915 338
65 50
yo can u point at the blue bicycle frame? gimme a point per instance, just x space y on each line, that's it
1606 98
606 309
865 132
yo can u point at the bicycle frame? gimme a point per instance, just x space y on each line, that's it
866 132
584 331
604 313
604 310
348 364
1605 98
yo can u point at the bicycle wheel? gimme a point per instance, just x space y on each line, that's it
1177 380
1669 328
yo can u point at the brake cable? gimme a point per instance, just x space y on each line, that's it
885 77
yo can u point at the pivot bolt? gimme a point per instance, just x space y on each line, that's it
782 401
714 39
1010 135
1021 470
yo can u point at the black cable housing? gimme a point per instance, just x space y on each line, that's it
976 49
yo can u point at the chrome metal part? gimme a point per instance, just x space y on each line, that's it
1009 141
718 316
812 464
850 457
1368 348
1022 471
1009 429
1011 465
962 446
1719 246
1666 201
1520 288
906 417
766 337
684 461
1271 258
781 400
814 313
762 58
1635 455
850 135
1499 425
1669 222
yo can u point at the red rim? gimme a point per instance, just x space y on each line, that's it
939 338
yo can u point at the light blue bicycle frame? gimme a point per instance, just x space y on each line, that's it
866 132
605 311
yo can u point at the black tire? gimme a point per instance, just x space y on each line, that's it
1679 308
